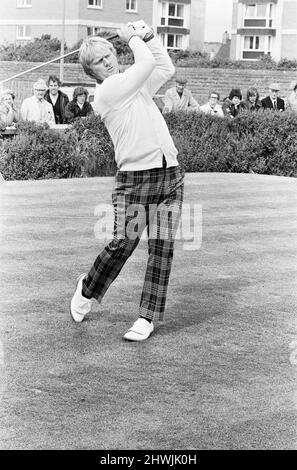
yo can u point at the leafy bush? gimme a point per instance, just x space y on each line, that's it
46 48
263 142
38 152
39 50
96 148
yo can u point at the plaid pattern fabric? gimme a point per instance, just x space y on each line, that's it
148 198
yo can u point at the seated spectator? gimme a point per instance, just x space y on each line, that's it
272 101
8 112
252 102
79 107
212 107
292 98
231 104
179 98
56 98
36 108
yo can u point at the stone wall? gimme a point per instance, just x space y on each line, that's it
200 80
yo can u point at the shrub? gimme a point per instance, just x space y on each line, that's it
96 148
263 142
38 50
38 152
46 48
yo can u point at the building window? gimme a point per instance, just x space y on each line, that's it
172 14
23 32
24 3
256 46
131 5
93 30
95 4
258 15
172 41
254 43
256 11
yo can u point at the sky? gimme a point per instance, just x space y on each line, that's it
218 19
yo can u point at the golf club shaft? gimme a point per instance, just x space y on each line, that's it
108 38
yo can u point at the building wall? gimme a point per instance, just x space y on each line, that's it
283 32
45 17
289 47
289 17
115 11
197 24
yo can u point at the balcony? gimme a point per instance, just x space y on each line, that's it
257 31
252 55
172 30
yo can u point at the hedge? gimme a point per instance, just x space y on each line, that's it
38 152
263 142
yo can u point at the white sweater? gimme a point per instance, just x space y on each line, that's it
124 102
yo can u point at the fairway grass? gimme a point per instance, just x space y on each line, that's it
216 374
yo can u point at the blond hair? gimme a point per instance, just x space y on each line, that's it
90 49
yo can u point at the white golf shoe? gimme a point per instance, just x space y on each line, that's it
80 305
140 330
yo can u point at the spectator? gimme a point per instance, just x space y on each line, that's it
292 98
79 107
179 98
231 104
56 98
36 108
252 102
272 101
212 107
8 111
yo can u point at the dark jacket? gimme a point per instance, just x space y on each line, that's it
267 103
73 111
63 101
229 108
247 105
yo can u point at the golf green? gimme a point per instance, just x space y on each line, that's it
219 373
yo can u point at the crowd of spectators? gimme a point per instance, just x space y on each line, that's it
179 98
47 105
50 105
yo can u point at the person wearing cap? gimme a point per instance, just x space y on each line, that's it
292 98
272 101
231 105
148 189
36 108
179 98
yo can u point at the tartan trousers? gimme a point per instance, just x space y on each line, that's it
148 198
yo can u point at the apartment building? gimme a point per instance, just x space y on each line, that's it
178 23
264 27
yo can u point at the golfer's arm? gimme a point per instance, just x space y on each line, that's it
164 67
121 87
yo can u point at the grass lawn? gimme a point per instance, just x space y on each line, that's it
216 374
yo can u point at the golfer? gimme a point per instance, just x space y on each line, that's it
148 172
